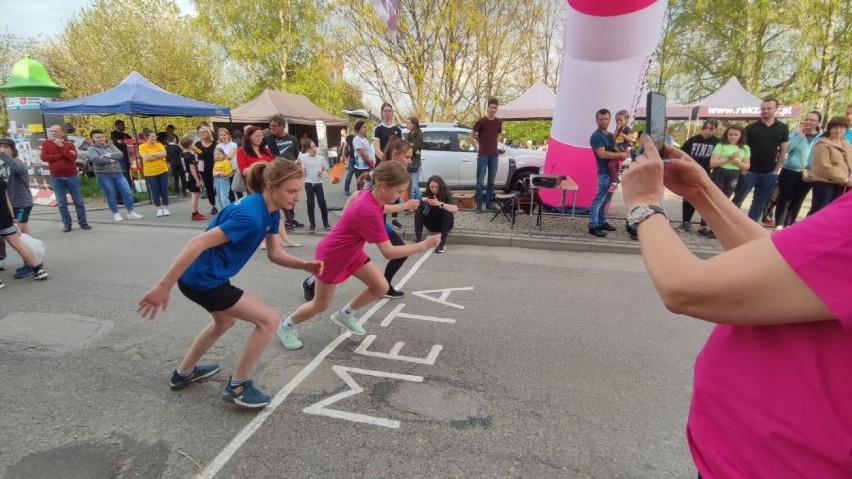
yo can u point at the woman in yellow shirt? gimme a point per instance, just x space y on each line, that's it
156 171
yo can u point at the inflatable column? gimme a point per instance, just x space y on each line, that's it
607 46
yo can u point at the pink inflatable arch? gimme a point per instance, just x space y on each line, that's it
607 46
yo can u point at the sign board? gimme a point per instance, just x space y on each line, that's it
26 102
322 138
35 128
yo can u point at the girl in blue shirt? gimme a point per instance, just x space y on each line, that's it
206 264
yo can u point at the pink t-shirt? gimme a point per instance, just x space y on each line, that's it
342 250
776 401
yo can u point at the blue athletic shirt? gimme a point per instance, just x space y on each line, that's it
246 222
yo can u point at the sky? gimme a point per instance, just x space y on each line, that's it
45 18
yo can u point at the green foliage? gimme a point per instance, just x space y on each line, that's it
278 44
795 50
521 131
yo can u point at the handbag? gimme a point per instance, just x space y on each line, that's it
238 183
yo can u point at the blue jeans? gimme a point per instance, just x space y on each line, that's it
71 185
159 187
763 184
597 212
111 184
483 163
222 185
414 187
350 171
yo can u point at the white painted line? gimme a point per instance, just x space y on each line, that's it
321 408
225 455
445 293
394 352
397 313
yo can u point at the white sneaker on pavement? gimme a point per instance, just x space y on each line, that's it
132 215
159 213
166 212
117 217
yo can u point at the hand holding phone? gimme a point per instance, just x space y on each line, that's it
655 110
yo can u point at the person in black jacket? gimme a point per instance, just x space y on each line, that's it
699 147
435 212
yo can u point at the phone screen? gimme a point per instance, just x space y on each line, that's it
656 111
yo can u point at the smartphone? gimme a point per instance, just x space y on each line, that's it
656 118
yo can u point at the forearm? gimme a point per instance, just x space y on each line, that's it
403 251
287 261
188 254
731 227
394 208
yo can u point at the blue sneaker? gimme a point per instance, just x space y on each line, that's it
23 272
245 395
199 373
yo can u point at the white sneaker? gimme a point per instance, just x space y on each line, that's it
117 217
134 216
779 228
159 213
166 212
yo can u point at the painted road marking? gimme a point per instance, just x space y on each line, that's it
442 299
397 313
321 408
394 352
248 431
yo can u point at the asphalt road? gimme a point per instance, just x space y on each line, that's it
527 364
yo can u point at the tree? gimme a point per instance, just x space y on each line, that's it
104 42
447 57
278 44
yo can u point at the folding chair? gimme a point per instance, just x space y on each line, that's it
508 206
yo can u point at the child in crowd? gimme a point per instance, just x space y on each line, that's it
282 231
624 139
206 264
315 169
342 252
193 177
436 212
9 232
222 176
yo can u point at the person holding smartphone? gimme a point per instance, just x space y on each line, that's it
771 393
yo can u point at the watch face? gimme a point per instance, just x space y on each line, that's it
638 213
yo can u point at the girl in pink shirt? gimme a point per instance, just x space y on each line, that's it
772 393
342 250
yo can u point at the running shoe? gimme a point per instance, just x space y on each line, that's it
394 294
24 271
441 248
245 395
197 374
288 337
348 321
134 216
117 217
396 224
308 290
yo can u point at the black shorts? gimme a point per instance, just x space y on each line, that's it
219 298
192 187
7 225
22 214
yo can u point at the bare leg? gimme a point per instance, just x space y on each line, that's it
377 285
18 245
323 294
282 232
250 309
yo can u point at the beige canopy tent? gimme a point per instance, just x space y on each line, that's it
733 102
674 111
537 103
297 109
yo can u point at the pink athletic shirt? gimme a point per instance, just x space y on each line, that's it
342 249
776 401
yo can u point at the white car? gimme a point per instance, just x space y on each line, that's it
447 153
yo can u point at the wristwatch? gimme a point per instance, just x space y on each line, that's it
641 213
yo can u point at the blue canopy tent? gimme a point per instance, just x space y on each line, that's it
135 96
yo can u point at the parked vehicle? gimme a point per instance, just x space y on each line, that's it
448 153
